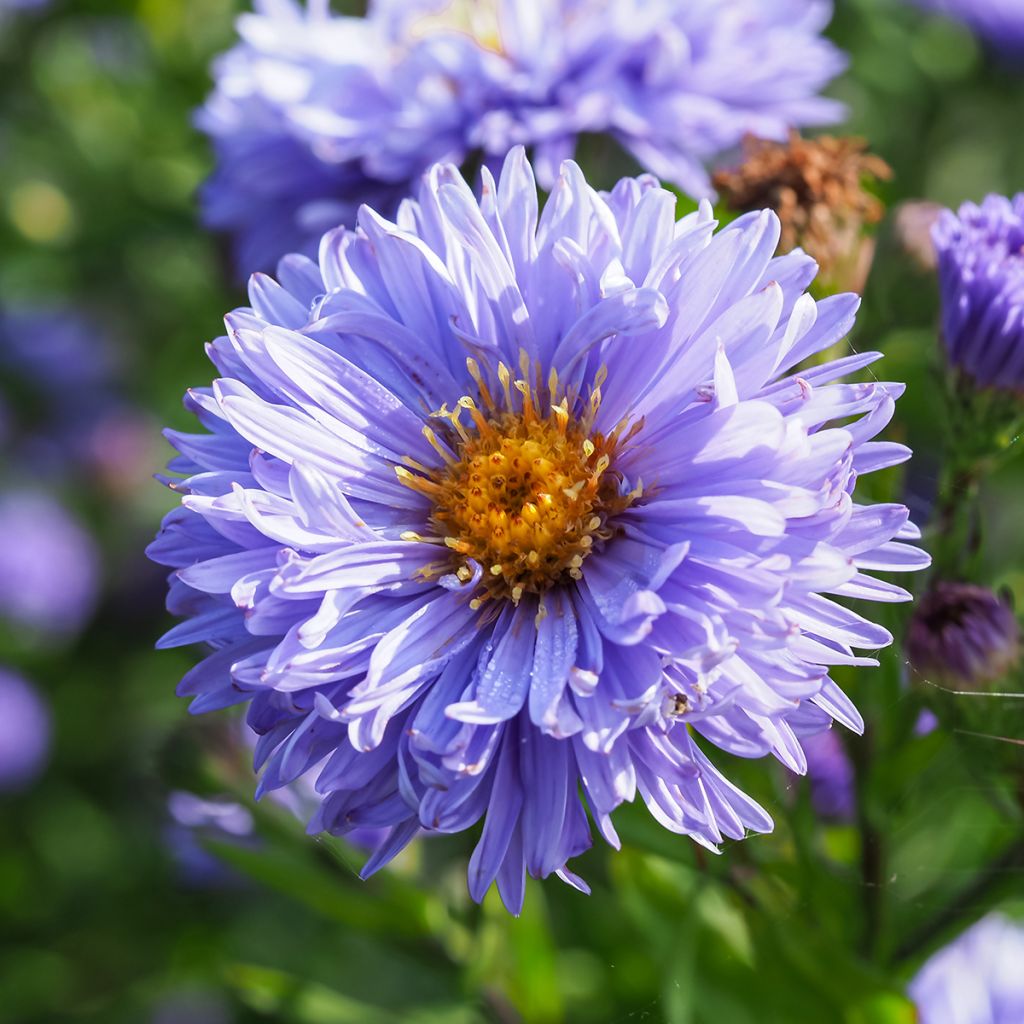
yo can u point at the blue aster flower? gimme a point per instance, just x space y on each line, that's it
976 979
675 84
314 114
503 514
981 281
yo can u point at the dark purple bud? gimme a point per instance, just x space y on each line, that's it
963 635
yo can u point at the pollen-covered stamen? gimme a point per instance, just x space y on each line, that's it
532 488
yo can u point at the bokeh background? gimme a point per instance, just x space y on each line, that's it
138 882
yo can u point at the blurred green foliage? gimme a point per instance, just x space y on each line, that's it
99 165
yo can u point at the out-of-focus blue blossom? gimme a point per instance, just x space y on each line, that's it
59 370
962 635
999 22
49 567
830 774
976 979
314 114
675 83
56 349
24 732
472 612
193 819
219 815
981 279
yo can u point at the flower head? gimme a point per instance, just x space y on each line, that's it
314 114
817 187
24 731
981 279
976 979
48 565
499 511
675 84
964 635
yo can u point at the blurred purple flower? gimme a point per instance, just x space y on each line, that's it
57 349
1000 23
61 372
472 613
313 114
194 819
49 566
963 635
830 774
675 83
976 979
981 279
24 732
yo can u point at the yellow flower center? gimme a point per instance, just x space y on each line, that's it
528 494
476 18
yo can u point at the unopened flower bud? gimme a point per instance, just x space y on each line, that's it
963 636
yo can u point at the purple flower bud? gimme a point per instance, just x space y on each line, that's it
963 635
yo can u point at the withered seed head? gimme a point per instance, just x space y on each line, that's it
817 188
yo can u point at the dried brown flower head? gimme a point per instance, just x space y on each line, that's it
817 187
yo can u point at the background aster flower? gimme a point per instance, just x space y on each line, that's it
675 84
24 731
313 114
49 566
976 979
831 777
498 511
981 281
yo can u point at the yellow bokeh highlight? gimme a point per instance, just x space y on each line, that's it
41 212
